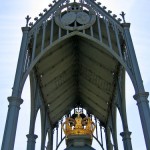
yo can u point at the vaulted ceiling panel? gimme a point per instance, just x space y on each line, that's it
94 98
59 83
77 72
57 70
98 55
94 66
63 98
62 109
54 58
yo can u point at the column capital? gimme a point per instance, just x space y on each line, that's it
15 101
141 97
126 140
138 95
25 29
31 137
126 135
126 25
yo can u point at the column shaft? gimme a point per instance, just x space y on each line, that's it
131 52
122 105
126 140
141 95
11 123
144 112
31 141
15 100
21 62
109 145
50 137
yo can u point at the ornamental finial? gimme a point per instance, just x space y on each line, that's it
123 16
78 113
27 20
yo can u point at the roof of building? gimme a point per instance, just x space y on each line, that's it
77 68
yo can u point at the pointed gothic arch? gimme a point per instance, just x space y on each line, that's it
75 54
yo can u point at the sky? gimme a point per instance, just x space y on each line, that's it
12 18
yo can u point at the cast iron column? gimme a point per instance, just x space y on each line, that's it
144 111
122 109
15 100
21 62
141 96
50 138
126 140
31 141
108 140
11 123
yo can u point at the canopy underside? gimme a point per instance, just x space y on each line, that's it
76 72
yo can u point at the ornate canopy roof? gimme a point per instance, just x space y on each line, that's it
74 47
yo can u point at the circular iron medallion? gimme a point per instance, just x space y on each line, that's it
75 16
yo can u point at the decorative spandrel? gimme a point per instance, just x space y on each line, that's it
75 16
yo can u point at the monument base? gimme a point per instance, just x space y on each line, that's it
79 142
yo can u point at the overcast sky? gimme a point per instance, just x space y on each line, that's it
12 18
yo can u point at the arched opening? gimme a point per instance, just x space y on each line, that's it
98 141
46 142
38 131
50 50
134 122
119 130
24 118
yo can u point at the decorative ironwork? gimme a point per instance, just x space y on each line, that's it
76 17
123 16
27 20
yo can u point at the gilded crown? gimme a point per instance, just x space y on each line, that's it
78 124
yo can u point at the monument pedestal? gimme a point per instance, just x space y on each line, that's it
79 142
